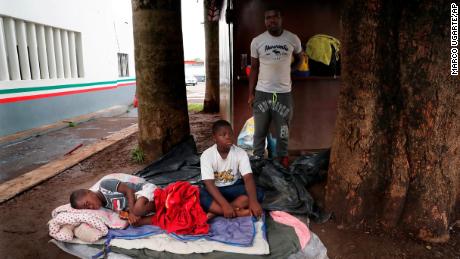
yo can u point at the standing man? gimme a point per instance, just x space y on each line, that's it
270 83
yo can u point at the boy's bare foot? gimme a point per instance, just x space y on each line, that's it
243 212
210 215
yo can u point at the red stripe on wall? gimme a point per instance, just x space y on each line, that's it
40 96
126 84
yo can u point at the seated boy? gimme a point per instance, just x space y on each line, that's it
222 166
136 199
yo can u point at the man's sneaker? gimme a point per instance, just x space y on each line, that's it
284 160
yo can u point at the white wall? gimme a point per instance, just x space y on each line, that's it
193 29
105 27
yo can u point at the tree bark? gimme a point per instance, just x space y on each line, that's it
395 154
212 10
160 79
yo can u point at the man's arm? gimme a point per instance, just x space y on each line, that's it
217 196
298 60
253 76
250 186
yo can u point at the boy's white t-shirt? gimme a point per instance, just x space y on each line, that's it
275 56
227 171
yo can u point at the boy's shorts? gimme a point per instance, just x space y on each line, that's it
146 191
230 193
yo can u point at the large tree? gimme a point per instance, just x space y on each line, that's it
212 9
395 158
160 79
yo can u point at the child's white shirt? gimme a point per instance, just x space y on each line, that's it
226 171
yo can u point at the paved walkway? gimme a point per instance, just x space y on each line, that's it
22 156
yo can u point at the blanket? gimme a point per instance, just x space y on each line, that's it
302 231
168 243
237 231
178 209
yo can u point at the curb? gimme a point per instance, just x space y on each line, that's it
20 184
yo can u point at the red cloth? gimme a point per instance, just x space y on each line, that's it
178 209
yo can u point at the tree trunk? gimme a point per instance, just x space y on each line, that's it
211 33
160 79
395 156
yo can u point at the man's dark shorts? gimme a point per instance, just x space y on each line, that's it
230 193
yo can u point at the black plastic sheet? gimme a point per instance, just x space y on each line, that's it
182 163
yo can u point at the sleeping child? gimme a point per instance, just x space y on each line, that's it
135 199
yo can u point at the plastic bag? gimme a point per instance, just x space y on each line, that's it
311 168
246 136
246 139
286 189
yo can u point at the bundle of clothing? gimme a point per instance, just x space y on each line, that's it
178 209
323 52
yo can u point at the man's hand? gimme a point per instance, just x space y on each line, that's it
251 100
253 76
255 208
133 219
229 212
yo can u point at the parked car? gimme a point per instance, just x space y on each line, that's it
190 80
200 78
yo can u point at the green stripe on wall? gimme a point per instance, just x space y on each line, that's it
124 80
54 87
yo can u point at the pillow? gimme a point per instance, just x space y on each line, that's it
86 233
66 232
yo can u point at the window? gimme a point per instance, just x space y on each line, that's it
123 69
32 51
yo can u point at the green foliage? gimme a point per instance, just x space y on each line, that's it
195 107
137 155
72 124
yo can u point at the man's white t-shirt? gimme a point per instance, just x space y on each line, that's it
275 55
226 171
